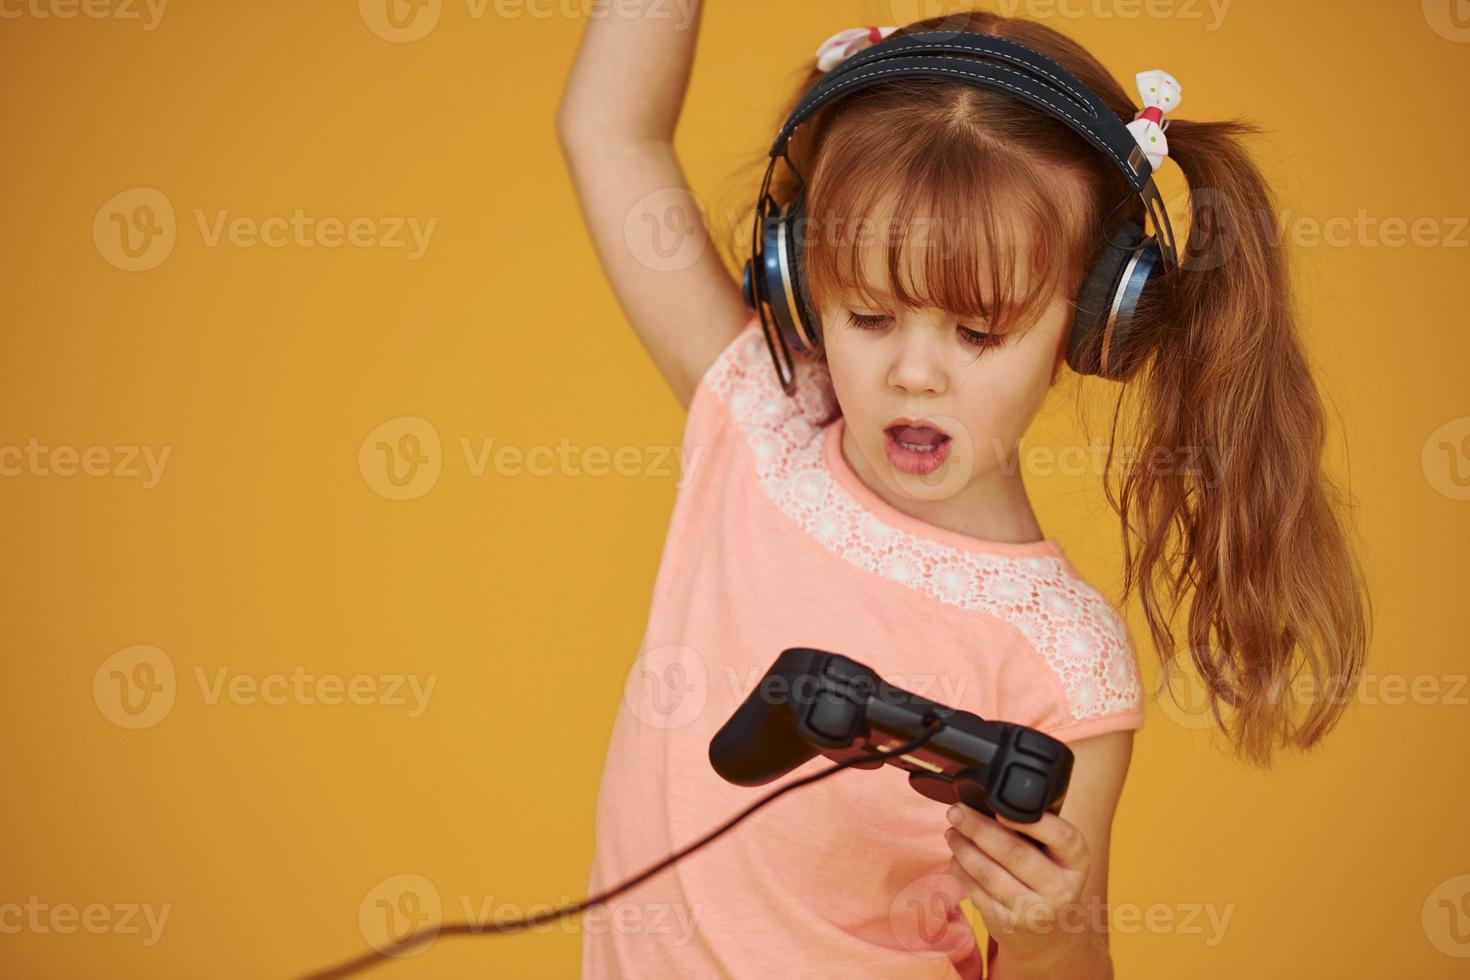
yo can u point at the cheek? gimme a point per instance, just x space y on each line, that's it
1003 391
1033 360
846 361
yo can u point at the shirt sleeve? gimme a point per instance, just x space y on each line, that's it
1083 677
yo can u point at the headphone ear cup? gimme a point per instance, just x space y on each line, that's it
809 323
1120 271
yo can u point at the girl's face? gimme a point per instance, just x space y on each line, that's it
931 420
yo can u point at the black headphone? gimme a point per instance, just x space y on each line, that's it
1121 272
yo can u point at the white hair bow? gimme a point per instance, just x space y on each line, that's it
1160 94
844 44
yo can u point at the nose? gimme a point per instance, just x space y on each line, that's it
918 368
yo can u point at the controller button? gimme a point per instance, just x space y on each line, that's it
1035 743
1023 789
831 717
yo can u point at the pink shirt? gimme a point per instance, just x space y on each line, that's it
774 542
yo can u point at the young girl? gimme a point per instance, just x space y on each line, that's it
878 510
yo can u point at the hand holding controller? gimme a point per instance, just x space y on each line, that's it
812 701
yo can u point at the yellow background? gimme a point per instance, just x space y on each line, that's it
264 549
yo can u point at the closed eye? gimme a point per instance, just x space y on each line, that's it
982 339
979 339
864 321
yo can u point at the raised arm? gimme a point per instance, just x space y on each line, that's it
616 128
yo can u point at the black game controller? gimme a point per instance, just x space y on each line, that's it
813 701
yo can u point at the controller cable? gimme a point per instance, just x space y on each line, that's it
932 726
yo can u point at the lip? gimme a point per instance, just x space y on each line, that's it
916 423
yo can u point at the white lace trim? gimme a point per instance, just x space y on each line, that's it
1076 630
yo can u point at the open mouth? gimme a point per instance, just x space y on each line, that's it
918 438
916 446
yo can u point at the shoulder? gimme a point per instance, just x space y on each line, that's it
742 381
1083 644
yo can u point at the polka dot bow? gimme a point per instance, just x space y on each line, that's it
844 44
1160 94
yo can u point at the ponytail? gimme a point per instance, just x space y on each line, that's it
1279 620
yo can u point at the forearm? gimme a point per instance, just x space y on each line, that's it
1076 956
631 71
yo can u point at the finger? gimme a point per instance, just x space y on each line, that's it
999 919
1065 844
1009 848
997 882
